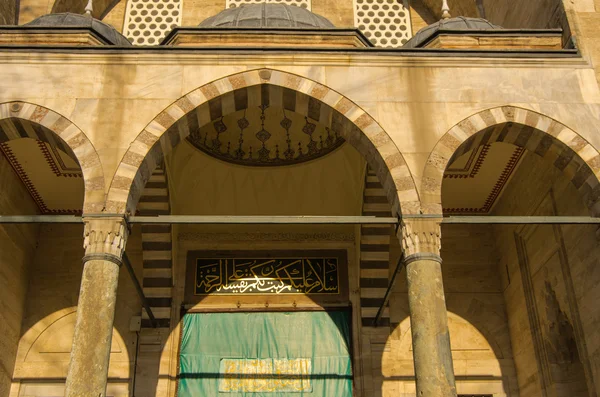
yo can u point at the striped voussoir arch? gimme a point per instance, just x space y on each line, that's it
255 87
374 253
27 120
539 134
157 250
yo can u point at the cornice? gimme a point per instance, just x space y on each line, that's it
273 58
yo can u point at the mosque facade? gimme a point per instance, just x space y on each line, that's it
335 198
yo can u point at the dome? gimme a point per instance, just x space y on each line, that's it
449 25
69 20
267 16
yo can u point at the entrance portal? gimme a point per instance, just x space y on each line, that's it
268 354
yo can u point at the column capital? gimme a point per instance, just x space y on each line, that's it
420 237
104 238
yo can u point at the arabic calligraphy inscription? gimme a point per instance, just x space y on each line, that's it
267 276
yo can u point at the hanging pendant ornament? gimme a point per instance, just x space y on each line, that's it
243 123
220 128
89 8
286 124
445 10
263 136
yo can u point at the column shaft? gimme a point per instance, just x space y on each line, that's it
429 328
104 242
88 369
434 371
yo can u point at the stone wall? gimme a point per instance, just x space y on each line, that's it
527 14
584 16
550 280
481 347
45 345
420 16
116 16
339 12
31 9
8 12
17 243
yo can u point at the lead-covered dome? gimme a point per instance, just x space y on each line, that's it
449 25
267 16
70 20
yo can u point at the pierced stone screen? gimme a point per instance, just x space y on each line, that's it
300 3
385 22
147 22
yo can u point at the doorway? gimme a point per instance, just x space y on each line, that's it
268 354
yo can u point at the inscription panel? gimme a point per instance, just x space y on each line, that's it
266 276
300 278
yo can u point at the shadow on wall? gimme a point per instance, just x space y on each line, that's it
479 362
45 348
50 312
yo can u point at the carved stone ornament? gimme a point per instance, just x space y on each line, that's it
105 238
420 236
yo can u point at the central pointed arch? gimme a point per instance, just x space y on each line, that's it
306 96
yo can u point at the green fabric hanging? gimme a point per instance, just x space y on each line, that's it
266 355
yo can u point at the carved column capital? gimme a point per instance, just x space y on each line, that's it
104 238
421 238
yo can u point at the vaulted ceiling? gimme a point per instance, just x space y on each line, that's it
474 182
51 177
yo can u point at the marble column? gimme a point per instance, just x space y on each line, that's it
104 243
421 244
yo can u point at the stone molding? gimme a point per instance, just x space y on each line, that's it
104 238
421 239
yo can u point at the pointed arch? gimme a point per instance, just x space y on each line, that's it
27 120
540 134
307 97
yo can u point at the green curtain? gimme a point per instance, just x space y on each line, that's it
266 354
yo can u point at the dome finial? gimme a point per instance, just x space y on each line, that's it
89 8
445 10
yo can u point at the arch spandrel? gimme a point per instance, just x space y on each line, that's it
66 131
525 128
168 129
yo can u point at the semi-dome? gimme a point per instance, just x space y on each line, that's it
70 20
265 15
449 25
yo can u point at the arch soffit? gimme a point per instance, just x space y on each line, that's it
70 134
570 152
169 128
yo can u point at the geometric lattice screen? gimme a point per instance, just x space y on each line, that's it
300 3
385 22
147 22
